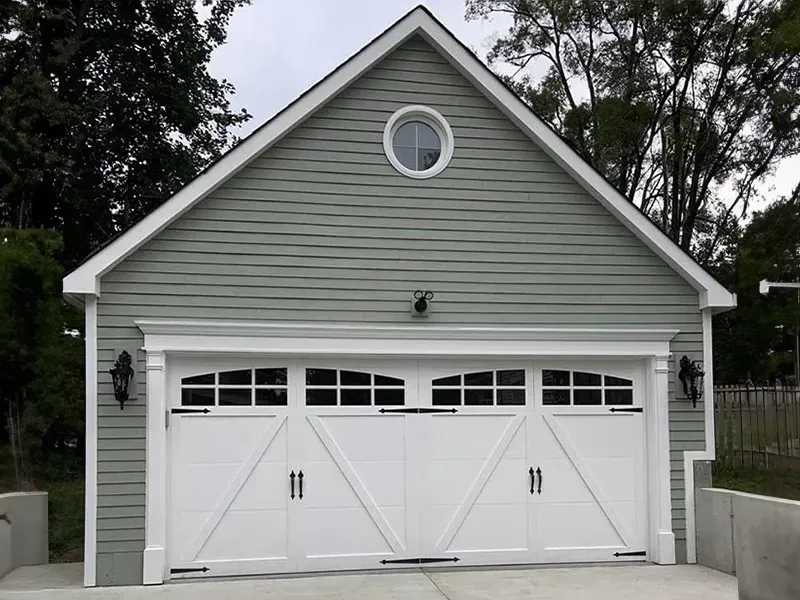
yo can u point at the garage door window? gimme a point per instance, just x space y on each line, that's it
242 387
579 388
339 387
481 388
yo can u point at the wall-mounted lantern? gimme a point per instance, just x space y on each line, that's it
691 375
122 375
421 303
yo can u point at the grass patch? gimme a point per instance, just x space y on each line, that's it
66 504
776 483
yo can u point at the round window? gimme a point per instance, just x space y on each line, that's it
418 141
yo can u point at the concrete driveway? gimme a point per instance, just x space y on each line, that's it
638 582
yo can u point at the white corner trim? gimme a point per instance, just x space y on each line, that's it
85 279
90 497
662 541
360 340
154 560
710 453
430 117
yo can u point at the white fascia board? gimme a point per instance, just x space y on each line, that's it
86 279
354 340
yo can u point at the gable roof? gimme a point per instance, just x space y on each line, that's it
86 278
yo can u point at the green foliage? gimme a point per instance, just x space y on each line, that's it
684 105
756 340
41 390
106 109
66 510
777 483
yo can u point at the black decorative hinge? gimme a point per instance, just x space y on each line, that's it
179 571
639 553
635 409
418 561
418 411
189 411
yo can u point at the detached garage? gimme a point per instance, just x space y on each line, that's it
402 324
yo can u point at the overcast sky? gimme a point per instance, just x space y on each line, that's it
279 48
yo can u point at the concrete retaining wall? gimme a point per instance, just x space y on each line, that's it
23 530
757 538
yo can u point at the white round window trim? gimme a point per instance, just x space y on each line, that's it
430 117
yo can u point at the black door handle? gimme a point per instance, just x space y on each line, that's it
300 477
533 478
291 477
539 474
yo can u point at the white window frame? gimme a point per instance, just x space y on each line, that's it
571 388
432 118
339 386
217 386
463 387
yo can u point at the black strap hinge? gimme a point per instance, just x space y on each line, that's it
418 561
190 411
180 571
638 553
418 411
636 409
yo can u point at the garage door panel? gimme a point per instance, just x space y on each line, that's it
184 528
197 487
419 480
225 439
266 488
592 489
576 525
615 477
492 528
371 437
506 483
246 535
355 503
225 511
343 532
470 503
325 486
469 436
616 440
450 480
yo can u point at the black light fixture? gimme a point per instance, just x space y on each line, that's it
122 375
691 376
421 303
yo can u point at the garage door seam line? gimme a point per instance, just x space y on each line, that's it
436 585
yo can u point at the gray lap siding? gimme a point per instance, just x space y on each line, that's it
321 228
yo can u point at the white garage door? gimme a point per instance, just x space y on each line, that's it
325 465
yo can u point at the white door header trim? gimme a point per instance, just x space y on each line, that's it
389 340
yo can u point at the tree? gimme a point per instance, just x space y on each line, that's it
41 392
106 109
756 340
684 105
